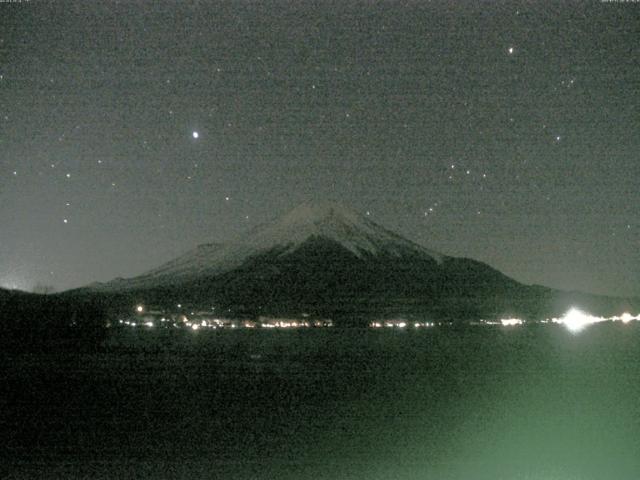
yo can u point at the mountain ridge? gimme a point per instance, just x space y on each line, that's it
333 262
329 220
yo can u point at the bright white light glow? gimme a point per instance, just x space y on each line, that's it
510 322
195 326
575 320
195 134
139 309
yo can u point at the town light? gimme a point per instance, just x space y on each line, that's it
510 322
575 320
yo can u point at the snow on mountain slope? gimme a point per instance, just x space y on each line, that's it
353 231
329 221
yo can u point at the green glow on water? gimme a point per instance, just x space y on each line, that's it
535 403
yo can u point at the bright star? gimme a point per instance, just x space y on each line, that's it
195 134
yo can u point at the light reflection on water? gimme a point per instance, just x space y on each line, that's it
530 402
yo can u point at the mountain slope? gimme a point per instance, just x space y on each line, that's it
329 261
350 230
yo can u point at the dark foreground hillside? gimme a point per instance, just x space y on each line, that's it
32 323
444 403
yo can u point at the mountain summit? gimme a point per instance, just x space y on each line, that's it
329 222
333 222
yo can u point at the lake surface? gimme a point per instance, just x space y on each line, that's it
478 403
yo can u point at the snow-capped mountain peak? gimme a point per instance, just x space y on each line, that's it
334 222
314 213
326 221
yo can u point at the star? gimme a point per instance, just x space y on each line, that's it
195 134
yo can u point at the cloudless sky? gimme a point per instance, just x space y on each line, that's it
506 132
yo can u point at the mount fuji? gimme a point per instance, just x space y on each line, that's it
327 223
327 260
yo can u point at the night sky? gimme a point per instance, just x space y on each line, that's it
132 131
